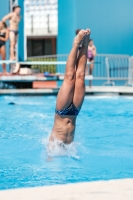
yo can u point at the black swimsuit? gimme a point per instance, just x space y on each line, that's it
15 32
2 42
71 110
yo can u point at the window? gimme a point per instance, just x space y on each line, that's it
40 47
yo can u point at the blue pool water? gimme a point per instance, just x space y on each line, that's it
102 150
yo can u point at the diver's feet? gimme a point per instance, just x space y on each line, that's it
79 38
86 38
5 73
88 31
12 58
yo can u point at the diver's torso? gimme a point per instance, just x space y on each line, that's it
64 128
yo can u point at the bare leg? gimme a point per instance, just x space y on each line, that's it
80 74
12 45
65 95
3 55
91 68
87 69
0 55
15 48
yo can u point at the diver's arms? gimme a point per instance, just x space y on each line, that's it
7 17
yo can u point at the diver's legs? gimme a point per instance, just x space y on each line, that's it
80 73
66 92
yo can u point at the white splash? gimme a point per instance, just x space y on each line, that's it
57 148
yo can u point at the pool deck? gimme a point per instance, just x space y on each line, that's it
95 90
100 190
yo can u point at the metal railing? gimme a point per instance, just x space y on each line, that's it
117 67
107 67
49 68
130 72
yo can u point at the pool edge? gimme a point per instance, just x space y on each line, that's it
120 189
96 90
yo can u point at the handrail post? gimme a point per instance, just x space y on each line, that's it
109 82
130 72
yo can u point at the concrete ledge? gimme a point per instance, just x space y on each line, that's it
119 90
97 90
40 77
29 91
100 190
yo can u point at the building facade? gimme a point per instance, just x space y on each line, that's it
41 23
111 23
